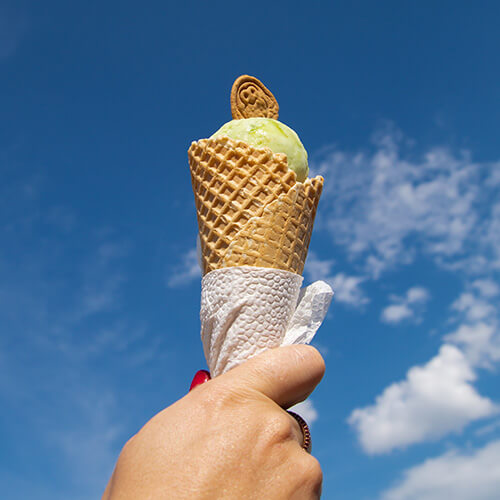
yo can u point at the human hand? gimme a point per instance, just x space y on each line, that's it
229 438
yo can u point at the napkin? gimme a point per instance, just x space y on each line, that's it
246 310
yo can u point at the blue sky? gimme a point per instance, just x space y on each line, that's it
397 104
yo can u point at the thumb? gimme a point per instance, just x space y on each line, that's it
287 375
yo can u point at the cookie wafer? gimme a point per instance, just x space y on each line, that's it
251 98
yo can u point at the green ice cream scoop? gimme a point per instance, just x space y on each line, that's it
272 134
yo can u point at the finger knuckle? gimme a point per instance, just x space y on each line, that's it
313 474
279 428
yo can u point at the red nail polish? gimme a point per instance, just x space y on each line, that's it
200 377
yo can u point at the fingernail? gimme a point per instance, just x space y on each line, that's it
200 377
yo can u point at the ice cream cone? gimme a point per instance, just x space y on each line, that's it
255 207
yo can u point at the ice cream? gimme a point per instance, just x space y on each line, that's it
267 132
255 204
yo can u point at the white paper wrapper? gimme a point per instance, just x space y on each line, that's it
245 310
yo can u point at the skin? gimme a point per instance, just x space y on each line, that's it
228 438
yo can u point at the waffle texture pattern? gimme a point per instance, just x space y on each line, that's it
251 210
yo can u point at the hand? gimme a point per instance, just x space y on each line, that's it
229 438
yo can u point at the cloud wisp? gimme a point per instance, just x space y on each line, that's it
478 330
63 302
90 446
186 271
407 307
347 288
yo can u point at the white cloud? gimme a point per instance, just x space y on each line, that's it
396 313
417 294
316 268
387 205
455 475
306 410
473 307
434 400
487 288
490 237
480 341
406 307
186 271
478 332
494 177
347 288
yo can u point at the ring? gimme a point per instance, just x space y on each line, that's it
306 441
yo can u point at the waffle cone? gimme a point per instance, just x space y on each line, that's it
251 210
